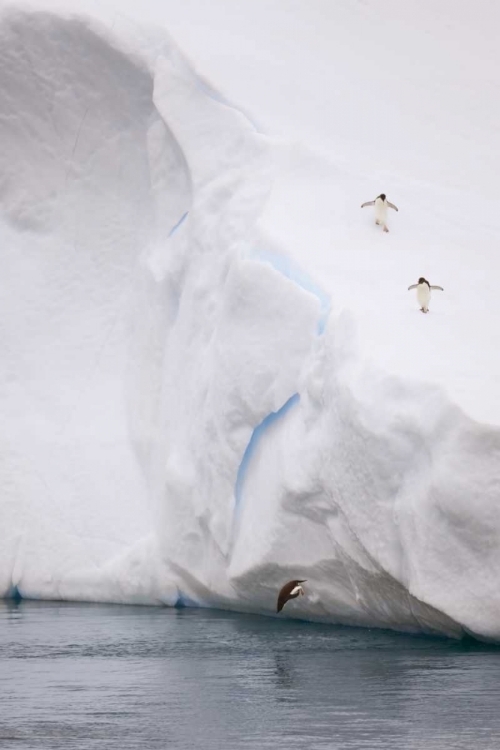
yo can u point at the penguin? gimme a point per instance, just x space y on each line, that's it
290 590
381 204
424 293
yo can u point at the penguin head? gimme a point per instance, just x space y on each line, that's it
382 196
423 281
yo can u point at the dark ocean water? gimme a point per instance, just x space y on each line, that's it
97 676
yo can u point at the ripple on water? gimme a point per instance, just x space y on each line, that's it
95 676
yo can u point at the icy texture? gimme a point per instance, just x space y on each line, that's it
213 379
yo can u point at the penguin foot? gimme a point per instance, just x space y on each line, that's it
377 222
385 229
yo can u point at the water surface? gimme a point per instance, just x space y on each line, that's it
98 676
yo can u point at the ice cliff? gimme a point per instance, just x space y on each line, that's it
200 398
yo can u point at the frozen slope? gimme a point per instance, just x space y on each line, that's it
213 376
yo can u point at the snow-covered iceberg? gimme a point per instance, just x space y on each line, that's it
197 404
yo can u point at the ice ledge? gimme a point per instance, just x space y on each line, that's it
378 489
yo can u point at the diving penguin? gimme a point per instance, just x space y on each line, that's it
290 590
424 293
381 204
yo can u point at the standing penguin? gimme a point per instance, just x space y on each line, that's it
290 590
424 293
381 204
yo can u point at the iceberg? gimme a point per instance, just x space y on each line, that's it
213 378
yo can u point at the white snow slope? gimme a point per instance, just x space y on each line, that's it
213 378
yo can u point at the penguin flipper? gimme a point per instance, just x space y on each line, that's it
368 203
413 286
438 287
392 206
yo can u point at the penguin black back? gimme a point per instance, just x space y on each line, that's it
287 592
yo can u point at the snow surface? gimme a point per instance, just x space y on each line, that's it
213 376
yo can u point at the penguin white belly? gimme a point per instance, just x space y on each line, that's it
423 295
380 212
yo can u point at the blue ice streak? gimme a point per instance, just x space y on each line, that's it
183 601
257 435
288 268
14 594
177 225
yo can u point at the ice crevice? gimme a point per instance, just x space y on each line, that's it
206 418
256 435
